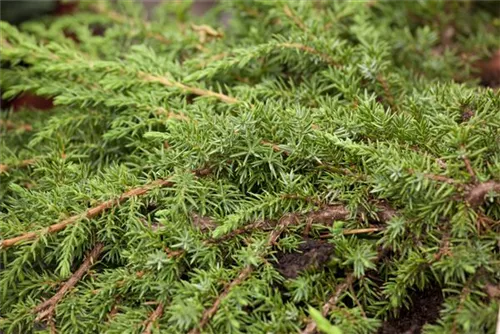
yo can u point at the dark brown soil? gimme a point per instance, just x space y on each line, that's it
310 254
490 71
425 306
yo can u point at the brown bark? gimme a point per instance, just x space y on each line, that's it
90 213
46 309
475 196
155 315
311 326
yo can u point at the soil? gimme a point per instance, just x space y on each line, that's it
490 71
425 306
310 254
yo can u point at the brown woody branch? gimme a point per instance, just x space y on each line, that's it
9 126
324 215
288 12
188 89
325 57
204 32
330 304
210 312
284 222
387 91
46 309
469 168
155 315
362 230
24 163
439 178
476 194
90 213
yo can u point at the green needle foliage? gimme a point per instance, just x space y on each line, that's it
202 177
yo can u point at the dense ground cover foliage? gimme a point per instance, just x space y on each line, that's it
196 176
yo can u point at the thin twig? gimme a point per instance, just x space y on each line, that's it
9 126
326 58
46 309
469 168
155 315
284 222
331 303
439 178
362 230
24 163
387 92
209 313
356 300
463 296
193 90
288 12
114 310
325 215
90 213
275 147
444 248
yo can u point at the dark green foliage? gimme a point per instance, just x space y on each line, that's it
358 124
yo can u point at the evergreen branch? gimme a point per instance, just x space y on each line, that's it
46 309
24 163
331 303
288 12
325 57
469 168
466 290
205 30
210 312
172 115
192 90
155 315
439 178
9 126
387 92
114 310
324 215
211 59
122 19
90 213
285 221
